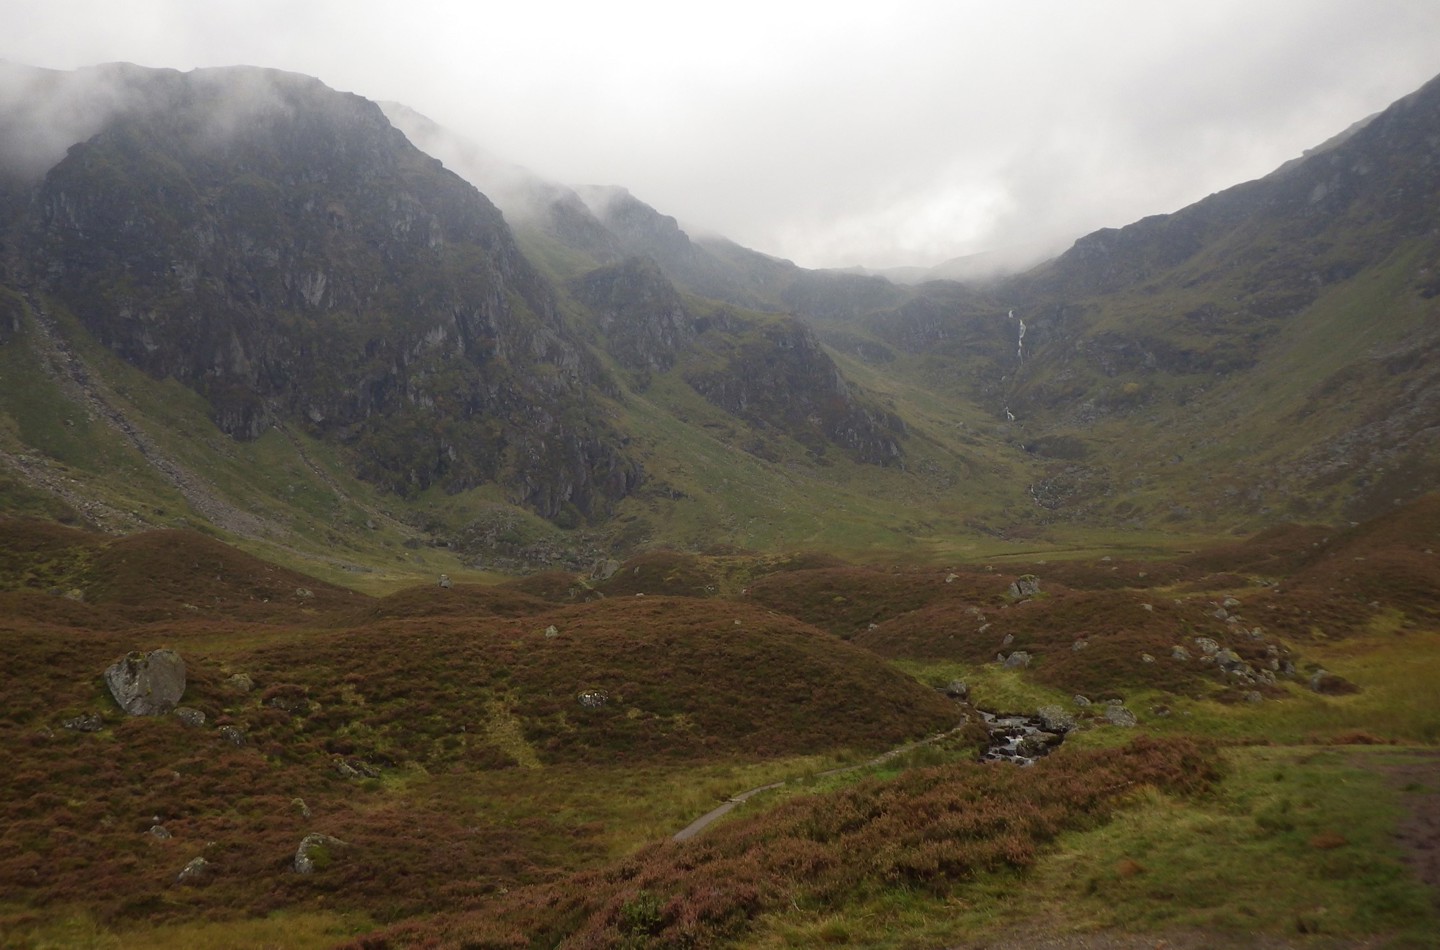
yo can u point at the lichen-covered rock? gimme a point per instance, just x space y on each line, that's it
1026 585
316 851
196 872
1056 719
147 684
1118 715
190 715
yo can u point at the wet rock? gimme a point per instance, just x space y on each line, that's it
1055 719
190 715
196 872
1118 715
1026 585
86 722
147 684
316 852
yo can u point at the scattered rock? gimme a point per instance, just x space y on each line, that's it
1026 585
196 872
356 768
304 593
1079 645
300 804
1146 658
1220 613
240 682
233 735
1254 696
1207 646
190 715
950 578
1118 715
604 570
86 722
147 684
592 698
1017 660
1177 652
446 582
316 852
1056 719
958 689
160 832
1230 602
1009 639
551 632
1080 701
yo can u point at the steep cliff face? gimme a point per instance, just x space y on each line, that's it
283 250
776 374
640 315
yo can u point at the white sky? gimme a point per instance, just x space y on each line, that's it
831 133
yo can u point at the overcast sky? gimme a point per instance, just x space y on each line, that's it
831 133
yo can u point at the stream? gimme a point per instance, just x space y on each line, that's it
1018 739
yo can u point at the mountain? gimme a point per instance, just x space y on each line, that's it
367 349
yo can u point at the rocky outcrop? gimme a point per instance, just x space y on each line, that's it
777 374
147 684
316 851
281 249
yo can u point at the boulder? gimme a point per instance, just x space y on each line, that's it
592 698
1026 585
233 735
316 851
1207 646
1118 715
1017 660
1177 652
190 715
957 689
446 582
147 684
240 682
196 872
1055 719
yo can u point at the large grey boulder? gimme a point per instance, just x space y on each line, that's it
1026 585
147 684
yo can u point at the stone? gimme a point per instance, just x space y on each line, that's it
551 632
1026 585
1207 646
1017 660
1009 639
1055 719
304 593
1146 658
190 715
233 735
304 809
1118 715
86 722
159 832
147 684
1230 661
1220 613
1080 701
240 682
958 689
446 582
1079 645
604 569
1254 696
950 578
592 698
316 851
1230 602
195 872
1177 652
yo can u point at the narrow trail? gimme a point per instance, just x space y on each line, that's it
701 823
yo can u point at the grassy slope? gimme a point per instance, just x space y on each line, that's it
493 779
